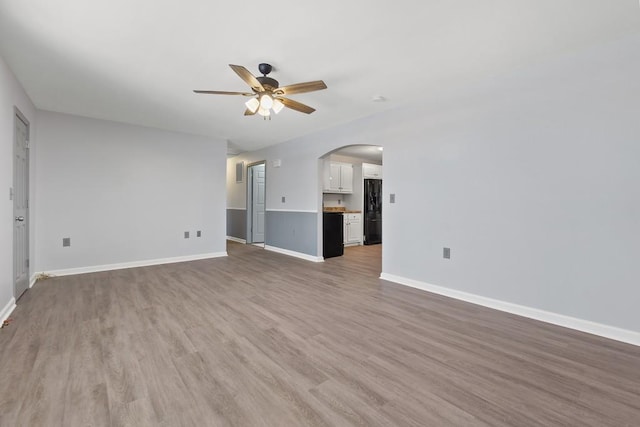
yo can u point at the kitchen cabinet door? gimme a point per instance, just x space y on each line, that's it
334 177
346 178
370 171
338 177
352 229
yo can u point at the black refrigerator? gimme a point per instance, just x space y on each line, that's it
372 211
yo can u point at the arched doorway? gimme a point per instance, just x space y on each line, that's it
351 187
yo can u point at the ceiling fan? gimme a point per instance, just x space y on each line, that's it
267 94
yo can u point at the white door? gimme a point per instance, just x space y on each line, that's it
257 203
21 207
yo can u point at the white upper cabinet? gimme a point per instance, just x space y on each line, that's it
370 171
338 177
346 178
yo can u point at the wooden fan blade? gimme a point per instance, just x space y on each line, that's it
295 105
301 87
248 112
221 92
249 78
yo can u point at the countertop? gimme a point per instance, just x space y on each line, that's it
339 210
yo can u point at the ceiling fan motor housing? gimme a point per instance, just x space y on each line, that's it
268 82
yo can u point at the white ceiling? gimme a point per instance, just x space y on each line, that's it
137 61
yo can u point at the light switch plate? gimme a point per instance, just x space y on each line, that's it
198 233
66 241
446 253
283 199
186 234
392 198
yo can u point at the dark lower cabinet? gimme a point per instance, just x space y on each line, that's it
332 235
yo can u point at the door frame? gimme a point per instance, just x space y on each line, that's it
249 221
19 116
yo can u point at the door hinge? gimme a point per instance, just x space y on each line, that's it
27 145
27 262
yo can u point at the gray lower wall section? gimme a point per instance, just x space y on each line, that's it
294 231
237 223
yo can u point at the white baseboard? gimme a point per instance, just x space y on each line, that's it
33 280
6 311
614 333
235 239
294 254
133 264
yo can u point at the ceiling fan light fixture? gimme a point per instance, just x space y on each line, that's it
277 105
266 102
267 94
252 104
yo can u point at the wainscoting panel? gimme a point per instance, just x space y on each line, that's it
237 223
293 231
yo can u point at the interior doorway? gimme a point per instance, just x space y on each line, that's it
20 196
352 185
256 202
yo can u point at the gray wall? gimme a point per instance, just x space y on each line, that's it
11 95
533 184
294 231
237 223
530 177
125 193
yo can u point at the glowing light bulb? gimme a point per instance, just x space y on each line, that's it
277 106
252 104
266 102
264 112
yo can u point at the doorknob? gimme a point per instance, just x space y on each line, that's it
20 218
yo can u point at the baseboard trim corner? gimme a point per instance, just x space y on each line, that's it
236 239
33 280
7 310
132 264
294 254
606 331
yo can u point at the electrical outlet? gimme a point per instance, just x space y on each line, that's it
198 233
66 241
283 199
186 234
446 253
392 198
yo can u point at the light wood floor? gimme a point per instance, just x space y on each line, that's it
259 338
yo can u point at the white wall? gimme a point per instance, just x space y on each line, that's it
11 95
125 193
279 180
534 186
236 191
530 178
